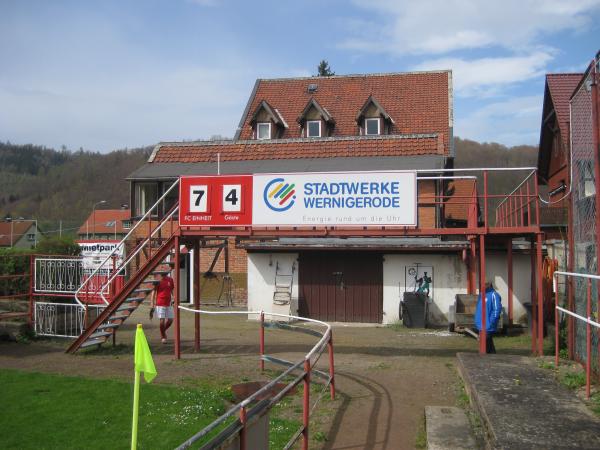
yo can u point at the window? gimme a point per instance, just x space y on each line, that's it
126 224
171 198
586 179
313 128
146 195
372 126
31 237
263 130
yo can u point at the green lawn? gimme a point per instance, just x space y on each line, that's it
44 411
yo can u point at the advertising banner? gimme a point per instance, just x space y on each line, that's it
335 199
94 252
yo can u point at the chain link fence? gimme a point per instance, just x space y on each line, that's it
584 209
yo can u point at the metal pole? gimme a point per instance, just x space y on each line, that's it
262 340
31 281
483 332
540 296
596 144
570 258
306 405
331 367
528 205
473 262
485 199
588 340
243 421
533 299
196 264
556 346
177 312
510 280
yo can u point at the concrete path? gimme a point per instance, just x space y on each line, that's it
522 406
448 428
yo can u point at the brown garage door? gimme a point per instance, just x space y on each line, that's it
341 286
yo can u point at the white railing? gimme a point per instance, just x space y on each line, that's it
65 275
61 319
119 249
587 319
305 366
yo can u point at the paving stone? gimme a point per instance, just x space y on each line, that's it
448 428
523 407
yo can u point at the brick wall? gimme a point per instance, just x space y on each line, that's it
427 209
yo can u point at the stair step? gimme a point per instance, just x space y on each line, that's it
100 334
108 325
143 290
91 342
134 299
161 272
127 308
119 317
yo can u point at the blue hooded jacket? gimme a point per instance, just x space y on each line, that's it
493 306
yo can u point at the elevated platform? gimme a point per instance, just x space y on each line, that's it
522 406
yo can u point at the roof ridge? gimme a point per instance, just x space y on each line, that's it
358 75
295 140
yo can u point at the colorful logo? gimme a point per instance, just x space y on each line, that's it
279 195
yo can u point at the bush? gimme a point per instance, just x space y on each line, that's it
58 246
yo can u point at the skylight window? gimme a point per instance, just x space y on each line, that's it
313 128
263 130
372 127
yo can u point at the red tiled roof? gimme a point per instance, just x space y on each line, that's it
458 208
18 229
561 86
359 146
105 221
417 102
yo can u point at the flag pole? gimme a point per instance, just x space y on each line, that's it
136 403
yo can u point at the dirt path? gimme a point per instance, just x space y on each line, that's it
385 376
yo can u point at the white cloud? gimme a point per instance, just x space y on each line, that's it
512 122
485 77
442 26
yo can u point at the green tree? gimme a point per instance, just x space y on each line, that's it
324 70
58 246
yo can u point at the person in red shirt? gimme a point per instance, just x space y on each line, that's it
161 300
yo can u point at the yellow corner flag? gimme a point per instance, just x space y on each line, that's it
142 363
143 357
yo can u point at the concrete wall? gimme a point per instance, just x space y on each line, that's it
449 279
261 281
496 269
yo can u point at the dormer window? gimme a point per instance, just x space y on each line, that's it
263 130
313 128
373 120
372 126
315 120
267 122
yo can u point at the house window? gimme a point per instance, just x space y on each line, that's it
172 197
31 237
263 130
586 179
126 224
372 127
313 128
146 195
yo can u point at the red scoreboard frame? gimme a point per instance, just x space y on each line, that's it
218 200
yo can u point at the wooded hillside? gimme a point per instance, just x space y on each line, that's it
49 185
52 186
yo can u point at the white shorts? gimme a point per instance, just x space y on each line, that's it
164 312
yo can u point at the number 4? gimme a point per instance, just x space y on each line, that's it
232 201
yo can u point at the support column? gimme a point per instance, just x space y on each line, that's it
533 298
177 312
472 265
482 333
196 293
509 251
540 295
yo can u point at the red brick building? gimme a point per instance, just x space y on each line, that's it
399 121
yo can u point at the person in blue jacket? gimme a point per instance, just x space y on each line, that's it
493 306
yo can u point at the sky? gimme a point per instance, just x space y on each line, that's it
110 74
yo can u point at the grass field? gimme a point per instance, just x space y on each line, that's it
45 411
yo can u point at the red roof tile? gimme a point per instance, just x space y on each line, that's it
561 86
105 220
358 146
17 229
417 102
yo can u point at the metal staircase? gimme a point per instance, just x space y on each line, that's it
283 286
155 250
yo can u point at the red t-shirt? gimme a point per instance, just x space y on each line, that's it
164 291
